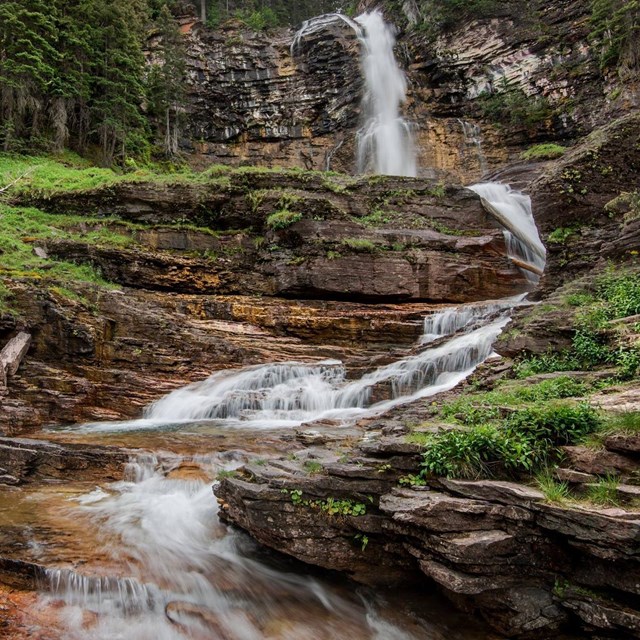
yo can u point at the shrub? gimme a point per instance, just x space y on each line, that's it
464 454
525 442
554 424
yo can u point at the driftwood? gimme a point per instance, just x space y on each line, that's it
12 354
14 182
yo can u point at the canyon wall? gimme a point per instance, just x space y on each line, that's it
254 100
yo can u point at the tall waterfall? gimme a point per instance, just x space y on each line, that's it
385 143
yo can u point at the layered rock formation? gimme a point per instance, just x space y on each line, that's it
255 100
202 298
498 548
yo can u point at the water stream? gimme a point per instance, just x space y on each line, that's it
164 568
385 140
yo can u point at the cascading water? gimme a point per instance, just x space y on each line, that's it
513 210
288 394
385 141
169 570
178 574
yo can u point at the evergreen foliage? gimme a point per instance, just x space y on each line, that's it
72 73
616 26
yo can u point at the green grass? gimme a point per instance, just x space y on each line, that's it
23 228
360 244
554 490
479 408
546 151
604 492
282 219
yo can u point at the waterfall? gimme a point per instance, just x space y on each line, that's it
384 142
287 394
512 209
176 573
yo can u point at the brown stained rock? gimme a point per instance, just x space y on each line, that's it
26 460
623 443
599 462
509 493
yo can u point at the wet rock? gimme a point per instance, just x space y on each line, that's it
25 460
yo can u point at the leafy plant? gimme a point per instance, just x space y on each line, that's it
362 539
561 235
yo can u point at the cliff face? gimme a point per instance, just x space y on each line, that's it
252 101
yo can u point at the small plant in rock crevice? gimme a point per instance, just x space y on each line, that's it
331 506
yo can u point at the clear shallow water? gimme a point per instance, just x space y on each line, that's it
147 558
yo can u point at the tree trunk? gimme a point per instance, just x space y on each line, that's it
203 10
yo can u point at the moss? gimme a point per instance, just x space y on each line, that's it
547 151
360 244
283 218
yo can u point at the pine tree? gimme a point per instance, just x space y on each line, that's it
117 89
28 57
167 82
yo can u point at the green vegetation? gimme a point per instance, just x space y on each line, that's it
22 228
330 506
598 340
514 429
439 15
604 491
360 244
510 104
73 74
561 235
283 218
362 539
547 151
520 443
615 26
266 13
627 204
312 467
554 490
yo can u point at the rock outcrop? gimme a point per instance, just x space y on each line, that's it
304 236
529 567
